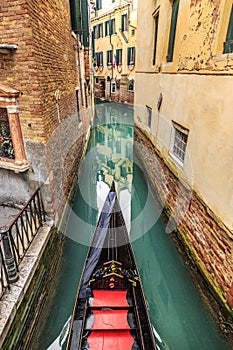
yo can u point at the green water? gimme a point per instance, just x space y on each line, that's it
176 308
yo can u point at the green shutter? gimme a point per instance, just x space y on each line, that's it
171 43
122 23
128 56
155 38
228 45
117 57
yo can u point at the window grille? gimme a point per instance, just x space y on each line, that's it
6 146
179 143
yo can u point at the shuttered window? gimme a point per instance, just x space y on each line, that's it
156 23
172 35
131 56
124 22
228 45
109 57
119 57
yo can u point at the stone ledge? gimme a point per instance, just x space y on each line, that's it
12 300
17 168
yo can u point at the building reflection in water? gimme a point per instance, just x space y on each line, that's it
113 136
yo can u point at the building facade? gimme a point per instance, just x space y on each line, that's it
183 94
44 99
114 26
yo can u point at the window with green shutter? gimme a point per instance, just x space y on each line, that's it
172 35
131 56
119 57
107 28
124 22
156 23
228 45
109 57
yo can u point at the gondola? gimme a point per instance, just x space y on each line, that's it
110 311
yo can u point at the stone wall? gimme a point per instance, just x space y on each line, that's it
209 241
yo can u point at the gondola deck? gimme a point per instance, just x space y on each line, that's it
110 310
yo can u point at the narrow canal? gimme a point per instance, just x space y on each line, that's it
178 314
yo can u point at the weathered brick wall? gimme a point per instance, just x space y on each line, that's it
210 242
45 61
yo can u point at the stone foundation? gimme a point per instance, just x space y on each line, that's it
208 240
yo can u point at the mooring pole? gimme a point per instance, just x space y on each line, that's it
9 260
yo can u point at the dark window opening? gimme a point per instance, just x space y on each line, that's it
172 35
156 20
6 146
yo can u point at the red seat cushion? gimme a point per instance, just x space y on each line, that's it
110 298
110 319
117 340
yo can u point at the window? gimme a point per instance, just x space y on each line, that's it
6 146
107 28
113 26
179 143
109 58
101 30
95 30
156 22
98 4
124 22
132 32
97 80
172 35
99 59
131 56
113 87
130 85
228 45
119 57
149 116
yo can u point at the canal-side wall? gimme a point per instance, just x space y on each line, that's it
207 239
21 307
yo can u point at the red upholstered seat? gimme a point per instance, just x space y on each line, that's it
117 340
110 319
110 298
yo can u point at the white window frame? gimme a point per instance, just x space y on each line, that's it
178 145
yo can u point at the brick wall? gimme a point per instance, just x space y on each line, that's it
45 61
209 241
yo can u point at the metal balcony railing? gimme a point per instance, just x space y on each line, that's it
16 239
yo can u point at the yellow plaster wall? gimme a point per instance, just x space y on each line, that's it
197 89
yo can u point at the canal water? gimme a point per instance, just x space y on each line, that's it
178 314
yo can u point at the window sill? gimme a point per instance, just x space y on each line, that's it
17 167
176 160
223 57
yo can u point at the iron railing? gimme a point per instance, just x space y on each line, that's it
16 239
